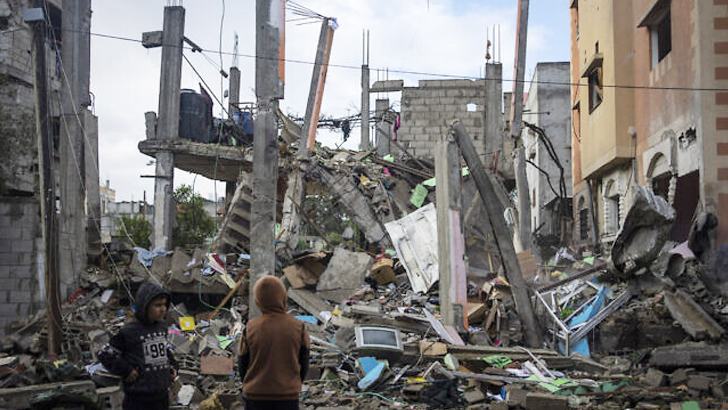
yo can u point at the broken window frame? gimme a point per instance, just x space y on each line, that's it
658 20
596 90
660 38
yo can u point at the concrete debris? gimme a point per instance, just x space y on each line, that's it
692 317
369 301
344 274
644 232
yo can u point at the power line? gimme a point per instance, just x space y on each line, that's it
425 73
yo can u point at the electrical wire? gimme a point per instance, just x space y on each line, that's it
96 163
431 74
87 140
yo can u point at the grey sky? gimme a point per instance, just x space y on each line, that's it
435 37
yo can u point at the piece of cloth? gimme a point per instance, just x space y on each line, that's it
146 257
144 347
271 404
135 403
274 348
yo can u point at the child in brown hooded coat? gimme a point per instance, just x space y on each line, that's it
273 352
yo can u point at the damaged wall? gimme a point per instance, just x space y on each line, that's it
547 106
426 108
19 289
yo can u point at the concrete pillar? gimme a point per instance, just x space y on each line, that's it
269 79
384 128
234 90
233 100
493 109
296 192
494 208
364 143
75 58
168 124
93 196
450 239
318 80
524 238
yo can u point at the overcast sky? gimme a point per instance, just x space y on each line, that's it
437 37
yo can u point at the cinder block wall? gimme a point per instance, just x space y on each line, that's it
19 228
427 110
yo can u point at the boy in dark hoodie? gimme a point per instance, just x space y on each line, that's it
140 353
273 352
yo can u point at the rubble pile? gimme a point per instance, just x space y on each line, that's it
639 327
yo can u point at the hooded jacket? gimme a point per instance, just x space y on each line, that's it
274 349
142 345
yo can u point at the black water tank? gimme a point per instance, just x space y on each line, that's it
194 116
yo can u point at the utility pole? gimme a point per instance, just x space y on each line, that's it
450 239
170 78
75 53
519 159
364 143
269 80
502 234
37 19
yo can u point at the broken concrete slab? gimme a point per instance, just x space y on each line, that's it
310 302
473 396
516 395
655 378
696 322
643 234
299 277
344 274
20 397
355 202
540 401
699 382
696 355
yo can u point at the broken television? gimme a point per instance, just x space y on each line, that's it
378 337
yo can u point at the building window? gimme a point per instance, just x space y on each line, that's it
595 89
611 209
583 220
584 224
658 21
660 39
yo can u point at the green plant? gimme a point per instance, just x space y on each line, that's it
135 230
194 224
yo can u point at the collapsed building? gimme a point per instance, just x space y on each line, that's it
425 257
